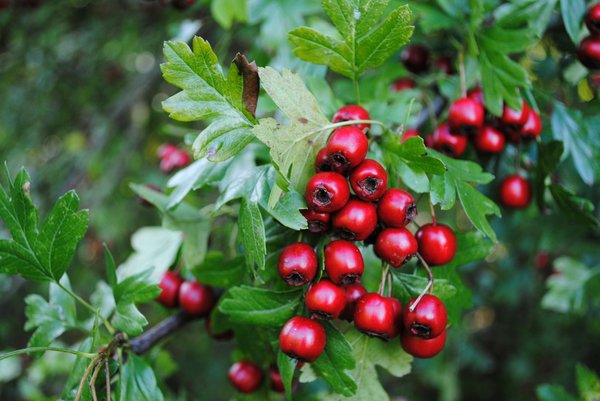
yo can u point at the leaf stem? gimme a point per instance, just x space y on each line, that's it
356 90
384 272
337 125
463 75
106 323
84 378
38 349
433 218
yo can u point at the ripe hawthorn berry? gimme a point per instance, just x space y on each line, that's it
415 58
353 293
592 19
515 192
327 192
409 133
489 140
245 376
322 161
374 315
396 208
275 379
589 52
172 157
396 327
317 222
532 127
344 263
466 116
476 94
352 112
297 264
347 148
443 141
437 243
369 180
402 84
169 285
302 338
196 299
513 120
422 347
356 220
325 300
445 65
396 246
428 319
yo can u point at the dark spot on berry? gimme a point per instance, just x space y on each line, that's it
322 196
321 315
411 212
348 279
370 184
315 226
420 330
347 234
296 279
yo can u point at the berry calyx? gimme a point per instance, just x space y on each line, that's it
515 192
297 264
369 180
489 140
302 338
589 52
402 84
275 379
396 208
428 319
592 19
353 293
317 222
322 161
344 263
422 347
169 289
443 141
415 58
465 117
356 220
374 315
396 246
327 192
347 148
325 300
352 112
437 243
196 299
245 376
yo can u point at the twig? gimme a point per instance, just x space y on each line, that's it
148 339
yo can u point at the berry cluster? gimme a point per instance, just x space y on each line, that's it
171 158
349 194
589 48
247 377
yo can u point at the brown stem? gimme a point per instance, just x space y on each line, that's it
148 339
107 374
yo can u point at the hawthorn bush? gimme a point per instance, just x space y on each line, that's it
391 201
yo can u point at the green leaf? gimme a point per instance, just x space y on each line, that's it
225 12
259 306
549 155
129 319
138 288
138 381
110 267
206 93
575 207
566 289
252 233
532 13
366 41
89 345
218 272
286 367
547 392
572 15
588 384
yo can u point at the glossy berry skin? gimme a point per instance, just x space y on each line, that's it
422 347
465 117
325 300
443 141
297 264
317 222
444 64
222 336
352 113
356 220
532 127
302 338
196 299
515 192
476 94
489 140
409 133
437 243
374 315
402 84
415 58
396 246
322 161
275 379
396 327
428 319
347 148
589 52
369 180
513 120
344 263
327 192
353 294
592 19
396 208
245 376
169 286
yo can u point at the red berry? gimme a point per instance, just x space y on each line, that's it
444 64
532 127
513 120
476 94
396 246
397 324
322 161
169 286
415 58
402 84
344 263
166 150
592 19
353 294
297 264
347 148
355 221
442 140
225 335
465 117
396 208
302 338
275 379
589 52
245 376
327 192
410 133
437 243
542 260
325 300
428 319
515 192
196 299
352 113
374 315
489 140
369 180
422 347
317 222
173 159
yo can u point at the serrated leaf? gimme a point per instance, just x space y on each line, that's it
138 381
572 14
128 319
533 13
252 233
588 384
574 207
217 272
226 12
286 367
566 289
